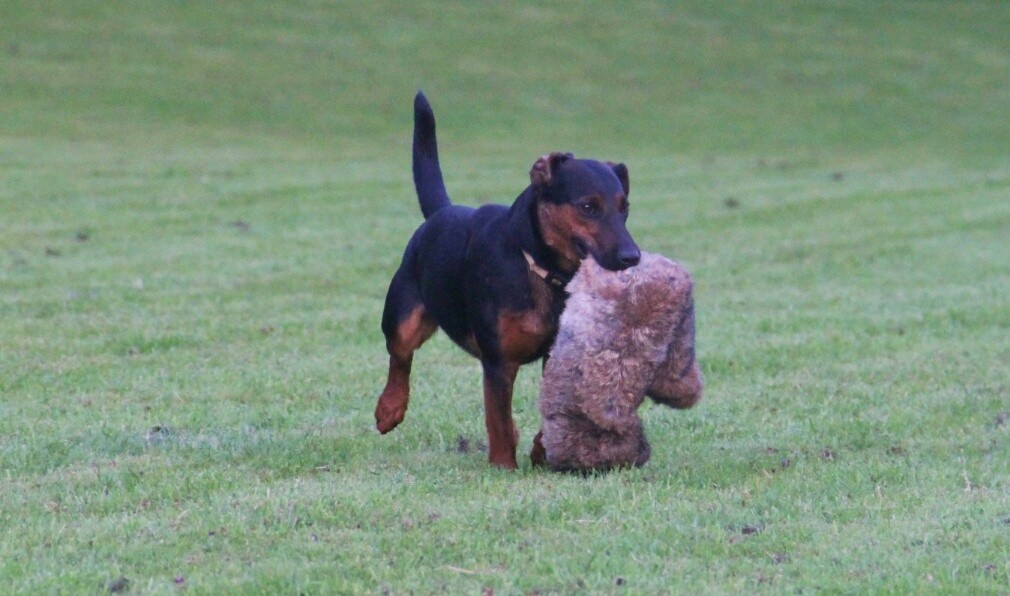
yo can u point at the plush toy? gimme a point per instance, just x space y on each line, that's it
622 336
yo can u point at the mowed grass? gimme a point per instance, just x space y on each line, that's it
202 205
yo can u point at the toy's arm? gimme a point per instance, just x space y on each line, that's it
678 381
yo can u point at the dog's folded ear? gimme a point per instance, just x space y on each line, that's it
544 168
621 171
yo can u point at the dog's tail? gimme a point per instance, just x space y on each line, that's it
427 173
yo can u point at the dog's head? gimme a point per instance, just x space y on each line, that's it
582 207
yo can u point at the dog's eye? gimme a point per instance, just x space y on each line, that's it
589 209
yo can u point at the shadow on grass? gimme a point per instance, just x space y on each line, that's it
278 452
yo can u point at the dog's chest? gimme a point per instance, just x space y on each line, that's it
527 334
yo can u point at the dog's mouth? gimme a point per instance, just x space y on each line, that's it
611 261
611 264
618 260
581 248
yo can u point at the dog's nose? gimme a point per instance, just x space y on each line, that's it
629 257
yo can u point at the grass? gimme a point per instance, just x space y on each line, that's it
203 204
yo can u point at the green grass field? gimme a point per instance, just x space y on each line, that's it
201 205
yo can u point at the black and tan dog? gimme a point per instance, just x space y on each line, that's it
493 278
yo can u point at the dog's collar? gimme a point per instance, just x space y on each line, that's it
557 280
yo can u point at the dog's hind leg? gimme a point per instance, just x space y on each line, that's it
406 325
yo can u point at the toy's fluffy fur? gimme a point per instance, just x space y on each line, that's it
623 335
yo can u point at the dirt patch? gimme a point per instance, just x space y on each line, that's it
751 529
120 584
465 445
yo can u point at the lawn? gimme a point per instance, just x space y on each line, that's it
201 205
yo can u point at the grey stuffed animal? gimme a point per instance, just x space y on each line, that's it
622 336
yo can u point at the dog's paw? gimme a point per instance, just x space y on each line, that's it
388 417
538 455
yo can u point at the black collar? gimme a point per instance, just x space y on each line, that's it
555 279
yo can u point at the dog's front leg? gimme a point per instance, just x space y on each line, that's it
502 434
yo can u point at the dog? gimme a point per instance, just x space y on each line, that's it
622 336
493 278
